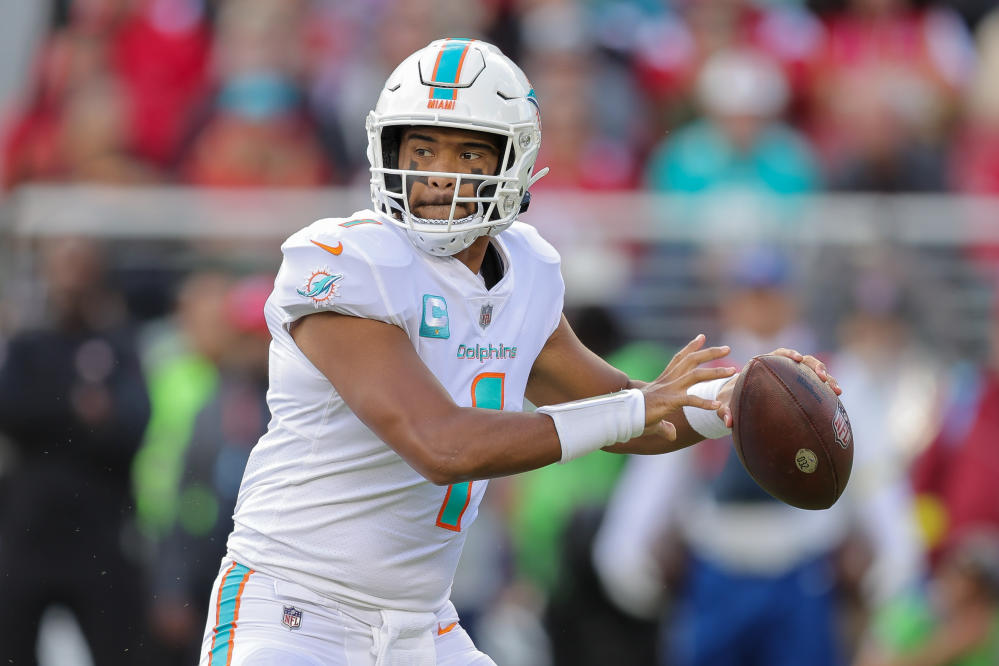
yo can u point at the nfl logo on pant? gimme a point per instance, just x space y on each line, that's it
292 617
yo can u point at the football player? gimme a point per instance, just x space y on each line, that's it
405 340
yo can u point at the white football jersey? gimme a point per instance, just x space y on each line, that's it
324 502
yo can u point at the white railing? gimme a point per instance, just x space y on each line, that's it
616 247
843 219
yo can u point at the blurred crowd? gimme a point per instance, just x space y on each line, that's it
124 428
692 95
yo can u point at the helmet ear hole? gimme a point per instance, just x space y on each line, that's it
525 202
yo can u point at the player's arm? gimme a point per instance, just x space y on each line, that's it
567 370
375 369
381 378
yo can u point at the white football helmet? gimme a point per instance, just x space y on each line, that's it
466 84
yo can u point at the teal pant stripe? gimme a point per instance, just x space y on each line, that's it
231 583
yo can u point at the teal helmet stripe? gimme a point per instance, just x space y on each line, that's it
448 67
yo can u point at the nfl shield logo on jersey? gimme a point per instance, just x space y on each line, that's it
486 315
292 617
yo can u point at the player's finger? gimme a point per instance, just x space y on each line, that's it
669 430
818 366
725 414
696 358
790 353
693 345
698 375
703 403
709 354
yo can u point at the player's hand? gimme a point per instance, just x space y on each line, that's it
668 393
725 396
815 364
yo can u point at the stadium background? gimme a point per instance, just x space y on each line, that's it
818 173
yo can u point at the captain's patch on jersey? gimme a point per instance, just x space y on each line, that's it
321 286
434 323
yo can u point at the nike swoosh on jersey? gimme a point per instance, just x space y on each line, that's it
329 248
443 630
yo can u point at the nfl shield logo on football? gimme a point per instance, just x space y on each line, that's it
292 617
486 315
841 426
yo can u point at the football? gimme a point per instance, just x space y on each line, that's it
791 432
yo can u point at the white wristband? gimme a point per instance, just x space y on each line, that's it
587 425
706 422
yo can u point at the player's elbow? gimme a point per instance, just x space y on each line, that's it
440 468
443 463
433 451
441 477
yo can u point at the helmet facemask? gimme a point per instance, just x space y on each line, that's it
494 199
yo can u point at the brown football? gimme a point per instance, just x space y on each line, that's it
791 432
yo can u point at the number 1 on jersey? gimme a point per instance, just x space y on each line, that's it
487 393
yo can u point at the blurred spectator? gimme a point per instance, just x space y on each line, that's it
115 84
885 91
741 146
160 54
538 604
73 404
759 310
894 378
557 512
225 430
736 576
955 477
670 48
359 44
545 499
955 623
579 155
72 77
976 157
257 130
92 139
180 357
593 115
892 388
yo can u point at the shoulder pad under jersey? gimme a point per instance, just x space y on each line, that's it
346 265
528 238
